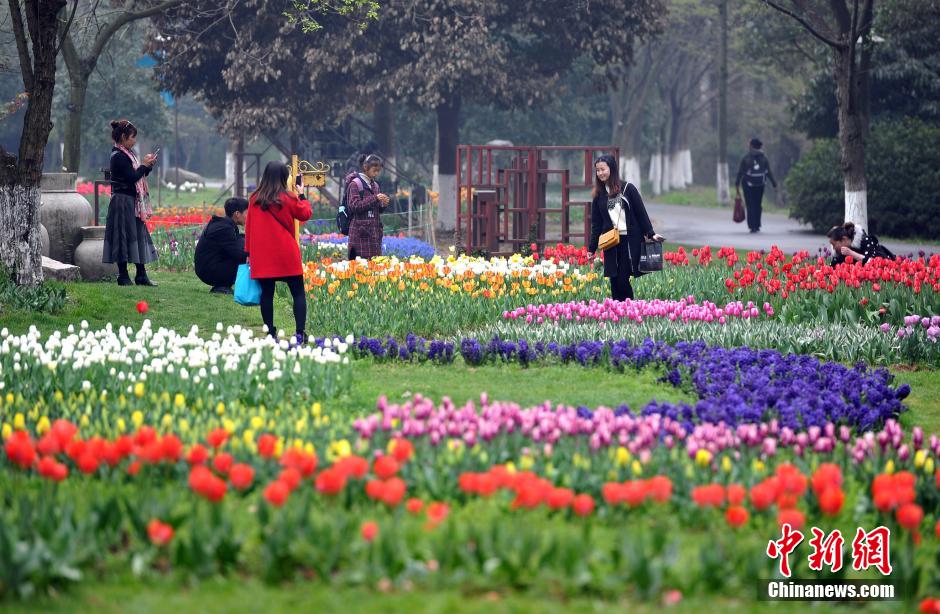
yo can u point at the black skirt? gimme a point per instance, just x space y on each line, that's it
126 238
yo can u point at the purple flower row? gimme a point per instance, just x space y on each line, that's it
732 385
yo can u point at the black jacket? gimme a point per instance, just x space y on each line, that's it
638 228
124 176
220 247
753 169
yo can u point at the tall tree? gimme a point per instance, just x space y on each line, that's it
845 27
35 27
723 181
443 55
82 47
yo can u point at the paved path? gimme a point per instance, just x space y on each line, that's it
713 226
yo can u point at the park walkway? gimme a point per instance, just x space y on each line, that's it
692 225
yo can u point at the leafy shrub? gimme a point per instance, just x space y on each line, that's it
903 171
43 298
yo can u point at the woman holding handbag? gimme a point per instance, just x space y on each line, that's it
619 226
273 251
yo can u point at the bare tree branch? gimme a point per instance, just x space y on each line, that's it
809 27
26 63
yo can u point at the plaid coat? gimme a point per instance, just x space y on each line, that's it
365 227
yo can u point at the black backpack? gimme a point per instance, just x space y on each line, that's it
343 218
756 170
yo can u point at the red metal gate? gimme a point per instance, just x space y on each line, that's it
502 193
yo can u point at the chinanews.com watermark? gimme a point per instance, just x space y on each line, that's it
870 550
825 590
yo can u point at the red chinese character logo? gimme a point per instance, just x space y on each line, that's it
782 547
826 551
872 549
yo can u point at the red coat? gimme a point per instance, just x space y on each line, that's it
269 237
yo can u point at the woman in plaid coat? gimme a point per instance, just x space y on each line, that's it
365 203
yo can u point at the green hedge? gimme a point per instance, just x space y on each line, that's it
903 170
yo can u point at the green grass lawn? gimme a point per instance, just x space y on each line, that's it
707 196
231 595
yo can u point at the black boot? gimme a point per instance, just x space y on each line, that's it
123 278
141 278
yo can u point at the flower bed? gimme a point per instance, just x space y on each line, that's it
395 296
336 246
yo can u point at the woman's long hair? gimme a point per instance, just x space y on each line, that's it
273 182
613 181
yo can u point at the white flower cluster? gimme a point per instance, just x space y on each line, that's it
131 355
187 186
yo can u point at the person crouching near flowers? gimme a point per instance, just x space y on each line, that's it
609 210
365 204
126 238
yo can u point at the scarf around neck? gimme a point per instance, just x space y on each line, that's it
142 208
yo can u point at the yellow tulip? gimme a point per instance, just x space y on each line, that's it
7 431
179 401
637 467
139 390
257 422
928 466
43 426
726 464
137 418
526 462
220 408
19 422
889 466
121 425
703 457
758 466
622 456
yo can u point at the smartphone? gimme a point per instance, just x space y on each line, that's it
300 180
155 151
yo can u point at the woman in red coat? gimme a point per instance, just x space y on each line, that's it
273 251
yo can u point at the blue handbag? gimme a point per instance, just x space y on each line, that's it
247 290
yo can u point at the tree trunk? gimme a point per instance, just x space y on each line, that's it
724 187
853 124
20 242
21 251
383 118
448 130
78 88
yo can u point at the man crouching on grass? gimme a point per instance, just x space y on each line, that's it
221 248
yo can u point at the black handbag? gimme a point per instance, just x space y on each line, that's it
651 256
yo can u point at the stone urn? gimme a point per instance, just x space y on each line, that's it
88 255
44 240
63 212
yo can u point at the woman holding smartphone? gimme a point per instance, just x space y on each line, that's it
126 238
273 251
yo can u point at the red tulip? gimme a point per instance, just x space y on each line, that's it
142 307
369 530
241 476
276 493
583 505
160 533
736 516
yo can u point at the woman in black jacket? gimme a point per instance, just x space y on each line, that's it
620 204
126 238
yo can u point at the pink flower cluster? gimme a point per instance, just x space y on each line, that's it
683 310
543 424
930 324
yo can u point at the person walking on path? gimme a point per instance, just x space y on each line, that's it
126 238
273 251
753 173
365 204
221 248
620 204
